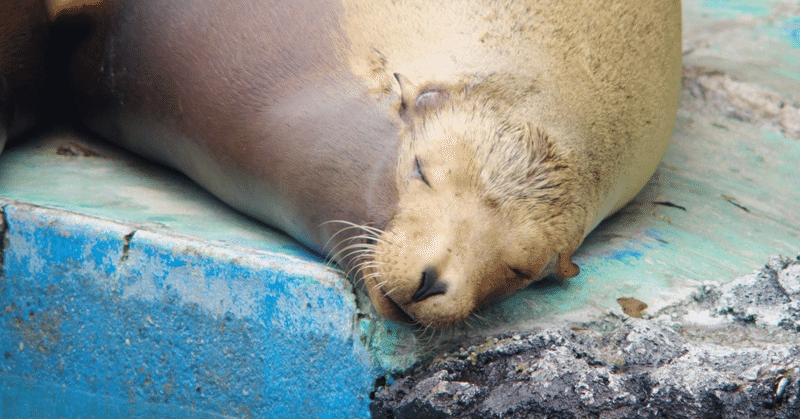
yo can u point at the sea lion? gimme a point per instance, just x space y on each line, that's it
447 154
24 40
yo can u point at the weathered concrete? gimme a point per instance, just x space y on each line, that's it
157 322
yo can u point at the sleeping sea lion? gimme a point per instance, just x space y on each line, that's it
446 154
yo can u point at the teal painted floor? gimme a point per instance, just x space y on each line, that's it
127 282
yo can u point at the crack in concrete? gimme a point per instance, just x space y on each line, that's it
3 238
713 92
126 245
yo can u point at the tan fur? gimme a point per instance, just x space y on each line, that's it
547 117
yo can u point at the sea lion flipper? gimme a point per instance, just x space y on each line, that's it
567 268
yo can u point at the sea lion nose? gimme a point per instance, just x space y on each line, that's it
430 285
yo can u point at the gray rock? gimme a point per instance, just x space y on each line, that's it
663 367
769 297
641 343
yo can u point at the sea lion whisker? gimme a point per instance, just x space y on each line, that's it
361 226
379 284
350 225
364 265
372 233
372 230
335 221
353 267
346 223
349 249
372 275
468 323
336 234
360 254
360 257
366 247
369 268
379 287
357 238
355 256
373 238
371 264
391 291
331 264
427 335
472 321
475 317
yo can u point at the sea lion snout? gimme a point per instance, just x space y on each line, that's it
437 277
430 285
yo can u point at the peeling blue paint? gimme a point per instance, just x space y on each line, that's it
627 256
172 325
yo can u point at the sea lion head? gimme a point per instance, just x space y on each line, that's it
483 208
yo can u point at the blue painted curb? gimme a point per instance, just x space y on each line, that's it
150 323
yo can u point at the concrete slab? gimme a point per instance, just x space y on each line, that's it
128 283
107 309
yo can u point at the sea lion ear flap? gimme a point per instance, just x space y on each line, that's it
408 94
566 268
416 101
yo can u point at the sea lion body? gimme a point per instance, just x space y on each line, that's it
477 142
249 103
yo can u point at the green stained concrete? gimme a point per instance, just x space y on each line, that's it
119 186
735 8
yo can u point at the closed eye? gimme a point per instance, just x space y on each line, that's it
418 173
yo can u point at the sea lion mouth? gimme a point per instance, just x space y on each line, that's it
384 305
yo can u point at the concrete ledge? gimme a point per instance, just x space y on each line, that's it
100 307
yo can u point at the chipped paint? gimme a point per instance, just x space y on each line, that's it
178 322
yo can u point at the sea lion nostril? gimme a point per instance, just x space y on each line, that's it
429 285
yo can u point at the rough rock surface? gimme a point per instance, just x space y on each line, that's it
713 92
731 351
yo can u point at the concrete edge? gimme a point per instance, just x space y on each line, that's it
100 307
